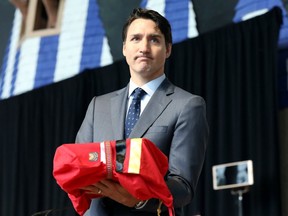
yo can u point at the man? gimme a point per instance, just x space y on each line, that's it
173 119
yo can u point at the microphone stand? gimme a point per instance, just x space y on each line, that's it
239 192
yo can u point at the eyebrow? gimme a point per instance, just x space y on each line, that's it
150 35
155 35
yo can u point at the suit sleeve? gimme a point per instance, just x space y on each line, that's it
187 151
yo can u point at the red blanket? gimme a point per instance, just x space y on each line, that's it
137 164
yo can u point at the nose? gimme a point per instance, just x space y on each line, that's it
144 46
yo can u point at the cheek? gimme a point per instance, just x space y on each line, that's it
128 52
161 57
129 57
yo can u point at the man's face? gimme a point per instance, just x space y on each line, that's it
145 50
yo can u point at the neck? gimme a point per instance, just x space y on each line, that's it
140 80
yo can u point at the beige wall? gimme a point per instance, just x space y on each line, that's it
283 130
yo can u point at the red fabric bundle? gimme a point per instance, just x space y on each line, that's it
137 164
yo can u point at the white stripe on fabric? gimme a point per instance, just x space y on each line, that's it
102 152
106 57
15 34
71 39
27 65
192 25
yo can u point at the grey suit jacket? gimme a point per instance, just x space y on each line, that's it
174 120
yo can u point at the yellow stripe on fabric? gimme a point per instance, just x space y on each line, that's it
135 155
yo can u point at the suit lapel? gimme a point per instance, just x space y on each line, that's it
154 108
118 113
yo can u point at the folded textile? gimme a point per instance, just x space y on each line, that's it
137 164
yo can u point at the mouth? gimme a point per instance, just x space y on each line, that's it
143 58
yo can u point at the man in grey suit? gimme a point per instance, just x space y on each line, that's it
173 119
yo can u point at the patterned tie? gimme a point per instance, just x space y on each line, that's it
134 111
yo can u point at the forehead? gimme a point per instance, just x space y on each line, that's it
140 26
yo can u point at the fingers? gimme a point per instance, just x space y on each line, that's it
104 187
107 185
91 189
113 190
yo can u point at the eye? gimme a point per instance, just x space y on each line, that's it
135 38
154 40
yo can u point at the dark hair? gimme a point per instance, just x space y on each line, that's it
160 21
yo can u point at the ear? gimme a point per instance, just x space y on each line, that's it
168 50
124 49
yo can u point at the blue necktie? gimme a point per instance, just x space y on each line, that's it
134 111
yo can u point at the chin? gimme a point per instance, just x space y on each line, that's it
145 69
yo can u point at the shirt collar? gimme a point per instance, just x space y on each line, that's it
149 87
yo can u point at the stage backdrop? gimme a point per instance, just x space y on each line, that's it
233 68
90 36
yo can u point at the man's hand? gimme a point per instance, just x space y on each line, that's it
114 191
